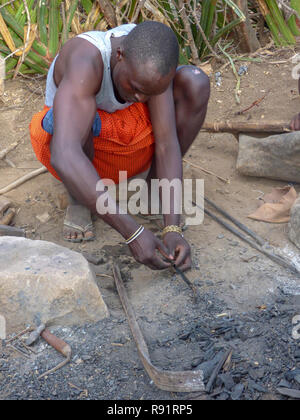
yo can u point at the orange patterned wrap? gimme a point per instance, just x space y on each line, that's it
126 142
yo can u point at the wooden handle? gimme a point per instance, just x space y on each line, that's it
57 343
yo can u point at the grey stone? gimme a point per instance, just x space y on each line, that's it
294 224
237 392
275 157
44 282
208 367
227 380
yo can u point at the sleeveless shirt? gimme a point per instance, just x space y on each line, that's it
105 98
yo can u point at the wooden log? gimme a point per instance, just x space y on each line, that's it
235 127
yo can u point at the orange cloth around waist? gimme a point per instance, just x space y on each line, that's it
126 142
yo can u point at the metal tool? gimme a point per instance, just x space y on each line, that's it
260 245
11 231
61 346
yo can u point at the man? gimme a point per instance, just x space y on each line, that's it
111 96
295 124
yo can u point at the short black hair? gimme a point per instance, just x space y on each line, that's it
153 41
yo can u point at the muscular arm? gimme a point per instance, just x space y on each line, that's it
74 111
167 150
168 161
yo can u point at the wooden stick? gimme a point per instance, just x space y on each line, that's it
23 179
246 127
4 152
206 171
29 329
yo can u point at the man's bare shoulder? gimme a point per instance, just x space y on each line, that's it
79 61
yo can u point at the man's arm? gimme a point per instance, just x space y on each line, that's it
295 124
74 111
168 161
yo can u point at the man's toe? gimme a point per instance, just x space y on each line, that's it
89 235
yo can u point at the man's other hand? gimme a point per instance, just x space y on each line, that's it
295 124
179 249
147 249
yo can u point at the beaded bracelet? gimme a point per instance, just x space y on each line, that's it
172 228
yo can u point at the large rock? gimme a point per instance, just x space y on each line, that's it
294 225
43 282
275 157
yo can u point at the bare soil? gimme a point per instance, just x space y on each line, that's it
258 297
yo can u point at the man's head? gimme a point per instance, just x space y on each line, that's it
146 62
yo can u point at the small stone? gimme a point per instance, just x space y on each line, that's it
255 387
297 378
290 376
43 218
284 384
297 354
227 380
237 392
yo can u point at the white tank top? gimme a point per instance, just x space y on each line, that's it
105 98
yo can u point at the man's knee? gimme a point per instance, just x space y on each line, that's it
192 84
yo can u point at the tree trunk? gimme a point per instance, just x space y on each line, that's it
245 32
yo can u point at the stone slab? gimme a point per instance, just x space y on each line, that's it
274 157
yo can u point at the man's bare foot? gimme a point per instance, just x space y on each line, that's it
78 224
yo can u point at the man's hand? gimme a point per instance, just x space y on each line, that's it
179 249
144 249
295 124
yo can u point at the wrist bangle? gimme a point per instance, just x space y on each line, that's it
172 228
135 235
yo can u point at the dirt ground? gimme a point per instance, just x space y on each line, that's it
259 297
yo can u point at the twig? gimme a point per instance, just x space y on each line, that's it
238 85
104 275
4 152
59 366
255 103
19 335
23 179
217 56
19 350
26 42
206 171
6 4
188 30
9 163
138 9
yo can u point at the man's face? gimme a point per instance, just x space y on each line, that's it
137 83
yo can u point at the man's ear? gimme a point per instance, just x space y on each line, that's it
120 53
